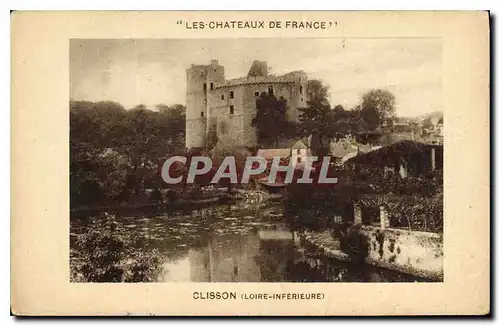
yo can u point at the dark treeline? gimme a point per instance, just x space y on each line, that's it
115 153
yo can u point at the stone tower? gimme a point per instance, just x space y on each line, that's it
219 112
201 80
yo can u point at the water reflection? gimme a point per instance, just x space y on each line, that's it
234 258
226 258
237 244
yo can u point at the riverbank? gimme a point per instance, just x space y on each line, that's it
326 244
237 195
179 205
415 253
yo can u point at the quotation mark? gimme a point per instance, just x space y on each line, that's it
179 22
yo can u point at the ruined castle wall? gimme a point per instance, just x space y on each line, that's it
211 107
195 132
200 80
195 106
230 126
236 128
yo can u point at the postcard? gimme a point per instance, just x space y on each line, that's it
250 163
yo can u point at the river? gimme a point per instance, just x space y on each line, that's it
235 243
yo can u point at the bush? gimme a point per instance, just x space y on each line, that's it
102 255
96 177
424 185
312 207
355 245
418 213
415 203
172 196
156 196
415 212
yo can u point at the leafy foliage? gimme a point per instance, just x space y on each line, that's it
270 120
311 207
413 212
415 202
102 255
424 186
97 176
315 120
370 118
355 244
377 107
115 153
324 124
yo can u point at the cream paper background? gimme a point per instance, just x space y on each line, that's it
40 179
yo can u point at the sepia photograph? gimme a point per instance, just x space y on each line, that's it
256 160
241 163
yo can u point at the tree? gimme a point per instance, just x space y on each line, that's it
338 109
318 90
96 176
108 142
95 123
370 118
378 107
321 122
315 120
104 255
345 121
148 137
270 120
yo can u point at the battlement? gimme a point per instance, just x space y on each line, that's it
292 77
198 66
212 63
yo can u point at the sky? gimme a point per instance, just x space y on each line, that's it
153 71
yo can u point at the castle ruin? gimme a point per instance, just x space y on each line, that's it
226 107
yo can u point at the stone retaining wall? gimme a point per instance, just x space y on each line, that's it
413 252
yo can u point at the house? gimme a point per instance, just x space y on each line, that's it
345 148
296 153
270 153
299 152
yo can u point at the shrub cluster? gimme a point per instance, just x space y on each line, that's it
103 255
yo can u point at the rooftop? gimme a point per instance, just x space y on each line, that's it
268 154
404 147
